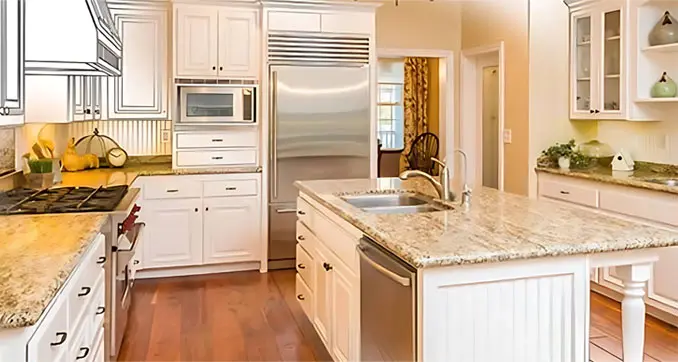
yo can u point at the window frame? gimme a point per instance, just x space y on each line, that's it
393 105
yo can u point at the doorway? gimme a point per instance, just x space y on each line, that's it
482 115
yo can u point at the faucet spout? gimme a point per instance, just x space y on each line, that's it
416 173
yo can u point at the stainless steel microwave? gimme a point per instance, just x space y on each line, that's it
218 104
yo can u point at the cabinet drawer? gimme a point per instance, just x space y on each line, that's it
305 237
85 283
291 21
304 212
174 187
217 158
577 194
305 265
657 207
235 138
304 297
231 188
51 339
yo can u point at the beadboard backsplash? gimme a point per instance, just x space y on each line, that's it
136 137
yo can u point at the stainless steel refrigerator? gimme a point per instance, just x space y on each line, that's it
319 129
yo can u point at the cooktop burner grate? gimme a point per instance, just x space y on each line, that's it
61 200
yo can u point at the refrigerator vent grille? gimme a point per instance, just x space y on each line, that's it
294 48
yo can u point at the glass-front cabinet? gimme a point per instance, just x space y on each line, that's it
11 62
597 44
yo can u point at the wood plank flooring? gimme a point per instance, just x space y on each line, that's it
254 317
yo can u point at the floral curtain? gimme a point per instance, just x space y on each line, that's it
415 99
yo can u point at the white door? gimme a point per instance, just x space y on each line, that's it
197 41
663 288
141 92
323 293
78 94
345 324
173 233
238 44
232 229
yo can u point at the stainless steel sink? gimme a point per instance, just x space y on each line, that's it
667 182
395 203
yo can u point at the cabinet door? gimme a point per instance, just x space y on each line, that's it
141 92
323 293
232 229
197 41
78 90
611 80
88 97
96 92
345 322
582 72
173 233
238 44
12 57
663 288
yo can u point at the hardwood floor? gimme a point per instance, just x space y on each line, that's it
254 317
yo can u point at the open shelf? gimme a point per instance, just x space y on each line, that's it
657 100
668 48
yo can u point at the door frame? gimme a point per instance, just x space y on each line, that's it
471 109
446 95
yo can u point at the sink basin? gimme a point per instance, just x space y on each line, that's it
667 182
394 203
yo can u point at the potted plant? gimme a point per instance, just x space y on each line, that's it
565 155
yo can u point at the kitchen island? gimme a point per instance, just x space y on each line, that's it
505 280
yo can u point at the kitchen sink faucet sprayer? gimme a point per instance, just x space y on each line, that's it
466 190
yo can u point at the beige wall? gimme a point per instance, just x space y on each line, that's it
419 25
486 23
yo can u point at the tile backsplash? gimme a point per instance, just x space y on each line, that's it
7 148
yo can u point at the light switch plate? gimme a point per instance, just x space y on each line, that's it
507 135
166 135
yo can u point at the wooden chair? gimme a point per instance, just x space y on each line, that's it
423 148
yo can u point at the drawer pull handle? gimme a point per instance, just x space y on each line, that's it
231 188
85 352
62 338
301 237
217 158
172 191
327 266
85 291
301 212
217 140
565 192
100 310
101 260
301 266
301 297
136 262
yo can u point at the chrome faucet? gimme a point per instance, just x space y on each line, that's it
443 187
466 190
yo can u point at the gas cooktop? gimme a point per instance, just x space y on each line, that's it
61 200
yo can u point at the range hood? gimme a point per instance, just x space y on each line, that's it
71 37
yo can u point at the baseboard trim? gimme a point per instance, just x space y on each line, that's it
196 270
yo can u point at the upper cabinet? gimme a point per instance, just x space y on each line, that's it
216 42
12 15
598 74
342 22
142 90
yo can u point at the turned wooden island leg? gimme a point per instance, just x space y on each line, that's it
634 278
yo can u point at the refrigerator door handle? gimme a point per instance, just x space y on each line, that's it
273 114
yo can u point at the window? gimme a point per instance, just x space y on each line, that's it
391 116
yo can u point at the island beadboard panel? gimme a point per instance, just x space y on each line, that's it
137 137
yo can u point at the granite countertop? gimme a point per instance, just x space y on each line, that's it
498 226
639 177
38 254
141 166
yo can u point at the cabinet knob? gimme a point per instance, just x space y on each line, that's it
565 192
591 111
301 212
214 68
207 209
327 266
2 111
100 310
84 351
61 339
301 266
301 237
221 68
196 209
136 262
301 297
88 111
85 291
597 111
101 260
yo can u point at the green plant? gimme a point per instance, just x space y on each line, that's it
550 156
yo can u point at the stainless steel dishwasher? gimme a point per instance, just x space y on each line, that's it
388 305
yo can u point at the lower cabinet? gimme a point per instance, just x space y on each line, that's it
231 230
335 286
173 233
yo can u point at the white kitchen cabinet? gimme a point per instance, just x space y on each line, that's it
598 44
337 22
142 90
87 98
216 42
231 230
323 293
345 314
12 15
174 233
662 287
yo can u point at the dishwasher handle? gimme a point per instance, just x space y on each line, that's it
405 282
